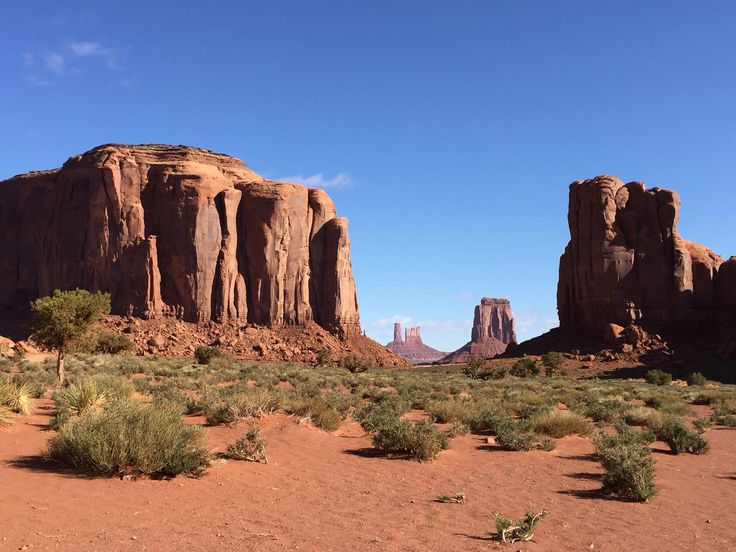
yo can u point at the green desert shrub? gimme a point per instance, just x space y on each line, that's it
421 441
728 420
560 423
658 377
702 425
628 464
373 415
457 498
16 396
488 418
250 448
458 429
525 368
320 413
552 362
476 368
204 354
355 364
324 358
112 343
515 436
509 531
696 378
130 438
605 410
680 439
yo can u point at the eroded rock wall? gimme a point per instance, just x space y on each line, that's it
174 230
626 263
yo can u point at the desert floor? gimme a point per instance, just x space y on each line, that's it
324 491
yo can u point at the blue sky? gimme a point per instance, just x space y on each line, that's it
447 132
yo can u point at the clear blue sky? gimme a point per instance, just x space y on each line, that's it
448 132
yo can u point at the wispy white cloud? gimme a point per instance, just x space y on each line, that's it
389 321
447 326
340 180
83 49
54 63
462 297
531 324
43 67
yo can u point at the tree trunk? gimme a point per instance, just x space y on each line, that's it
60 366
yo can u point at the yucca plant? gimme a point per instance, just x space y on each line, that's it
76 400
16 396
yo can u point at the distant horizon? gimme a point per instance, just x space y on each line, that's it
447 134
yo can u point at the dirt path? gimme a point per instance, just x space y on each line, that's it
325 492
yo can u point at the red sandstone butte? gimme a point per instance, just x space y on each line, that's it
493 331
627 264
178 231
411 348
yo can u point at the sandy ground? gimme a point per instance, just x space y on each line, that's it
327 492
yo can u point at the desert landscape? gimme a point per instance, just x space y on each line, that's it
487 356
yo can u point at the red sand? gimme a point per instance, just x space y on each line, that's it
325 492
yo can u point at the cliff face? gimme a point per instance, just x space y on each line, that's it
493 330
411 348
175 230
626 262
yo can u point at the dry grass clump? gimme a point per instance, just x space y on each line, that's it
452 410
509 530
642 416
320 413
6 417
250 448
248 403
560 423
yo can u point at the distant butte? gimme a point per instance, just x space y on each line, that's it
411 348
493 331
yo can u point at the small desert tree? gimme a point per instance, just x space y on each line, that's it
552 362
65 317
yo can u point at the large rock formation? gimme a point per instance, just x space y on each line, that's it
626 264
411 348
179 231
493 331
